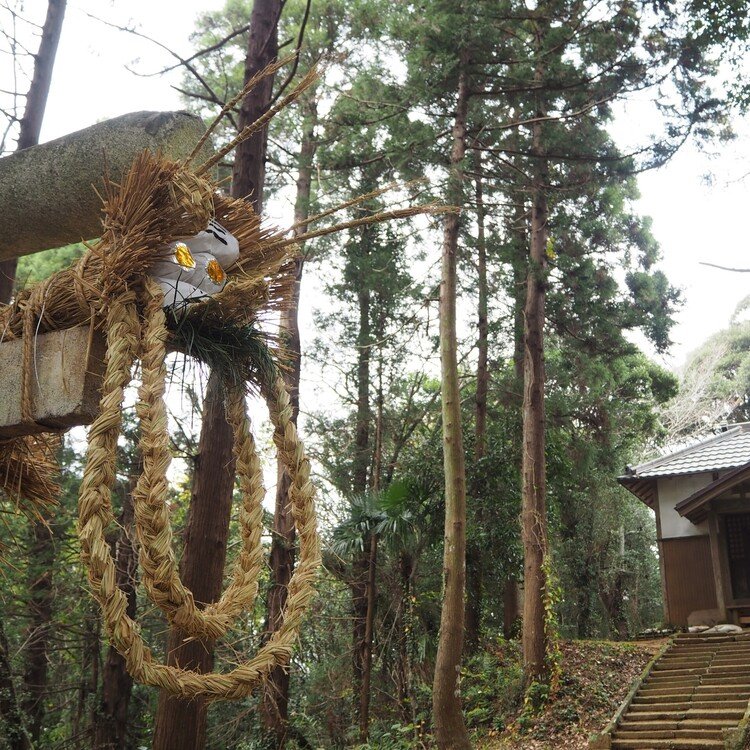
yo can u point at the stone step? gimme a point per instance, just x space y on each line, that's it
708 659
727 688
739 639
725 679
695 680
666 734
684 672
685 705
718 648
704 646
732 714
642 726
740 688
743 659
739 669
647 698
707 654
721 669
665 682
672 744
699 687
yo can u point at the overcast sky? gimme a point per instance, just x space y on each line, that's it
694 221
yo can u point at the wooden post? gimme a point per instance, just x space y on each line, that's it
67 372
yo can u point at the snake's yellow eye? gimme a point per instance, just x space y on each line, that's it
215 272
183 255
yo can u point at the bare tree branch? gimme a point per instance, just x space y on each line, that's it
214 98
725 268
200 53
293 71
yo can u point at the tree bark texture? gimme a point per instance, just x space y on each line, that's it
275 700
85 718
41 560
520 266
533 471
360 470
450 729
511 613
474 560
358 589
111 718
249 171
364 696
183 723
364 414
405 629
33 114
12 724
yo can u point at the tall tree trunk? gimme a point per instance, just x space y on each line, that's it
41 562
358 589
362 436
372 563
83 721
41 554
376 478
33 114
110 724
182 723
364 696
85 715
450 730
520 267
474 567
361 465
511 612
404 630
534 511
249 171
11 718
275 698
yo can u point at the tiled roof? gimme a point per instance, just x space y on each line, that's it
727 450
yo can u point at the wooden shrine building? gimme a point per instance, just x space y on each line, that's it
701 498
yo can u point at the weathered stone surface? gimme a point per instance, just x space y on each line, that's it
705 617
47 196
66 378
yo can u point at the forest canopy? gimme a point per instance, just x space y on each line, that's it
469 381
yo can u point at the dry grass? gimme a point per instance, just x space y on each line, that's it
597 676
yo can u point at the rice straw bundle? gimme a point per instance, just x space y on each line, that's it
159 202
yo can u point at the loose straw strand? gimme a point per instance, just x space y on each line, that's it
269 70
260 123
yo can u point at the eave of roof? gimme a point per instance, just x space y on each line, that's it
705 456
643 489
695 507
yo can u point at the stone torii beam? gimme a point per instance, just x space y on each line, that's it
48 199
47 195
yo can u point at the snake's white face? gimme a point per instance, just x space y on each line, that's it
195 268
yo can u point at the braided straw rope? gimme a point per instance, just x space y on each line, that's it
160 573
95 515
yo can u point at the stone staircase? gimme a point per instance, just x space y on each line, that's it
694 696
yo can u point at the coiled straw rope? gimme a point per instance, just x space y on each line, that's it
159 567
156 203
124 342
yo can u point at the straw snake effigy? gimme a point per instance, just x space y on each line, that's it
158 204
